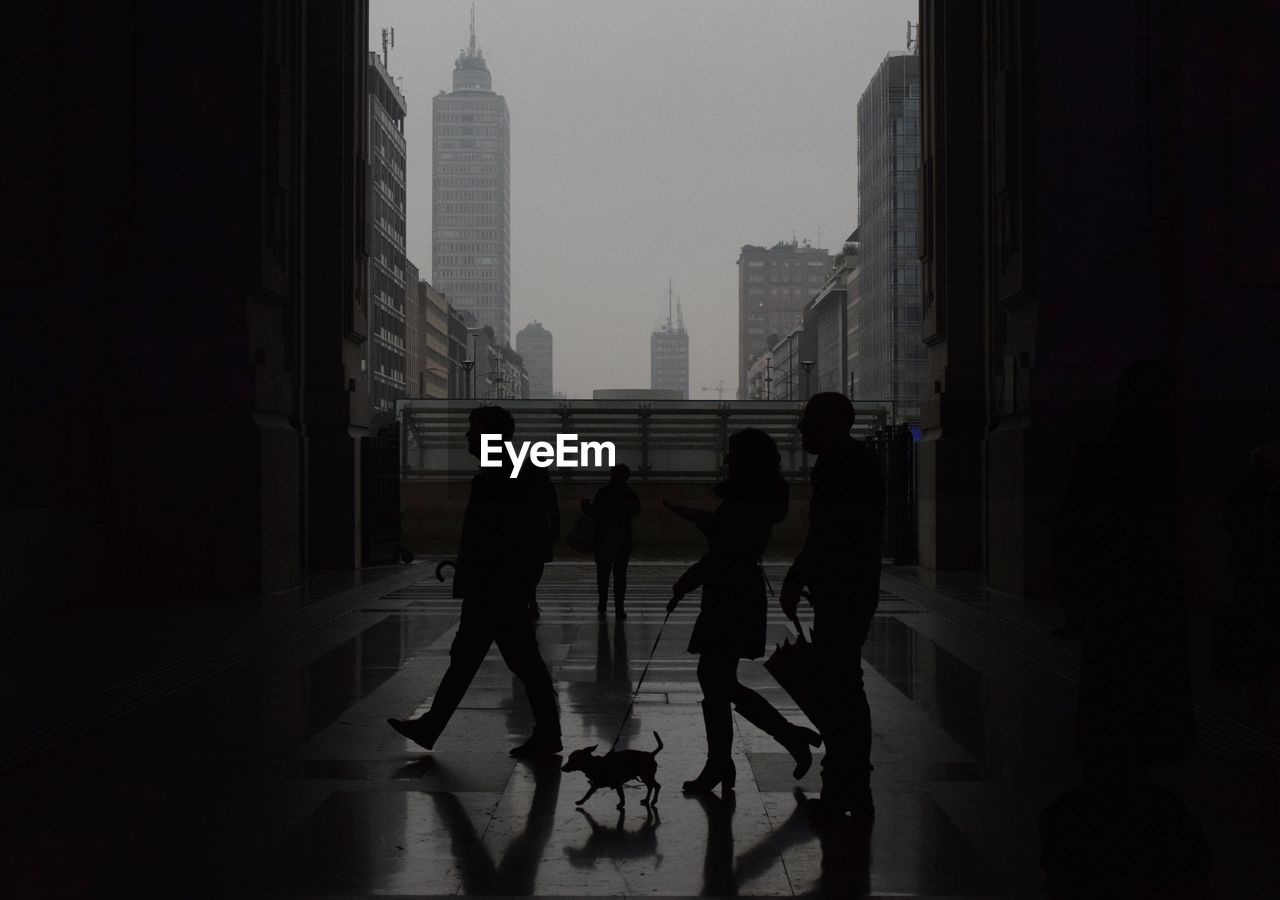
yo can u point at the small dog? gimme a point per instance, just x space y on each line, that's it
615 769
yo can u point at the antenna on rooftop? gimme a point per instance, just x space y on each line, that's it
473 29
388 41
668 303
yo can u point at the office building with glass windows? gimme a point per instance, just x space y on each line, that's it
471 195
887 354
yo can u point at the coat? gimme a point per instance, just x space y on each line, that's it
735 603
613 509
840 560
507 534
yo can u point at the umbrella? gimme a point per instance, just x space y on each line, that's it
796 667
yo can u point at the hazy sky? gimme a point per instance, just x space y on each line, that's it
650 139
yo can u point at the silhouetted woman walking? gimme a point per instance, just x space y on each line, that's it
613 508
731 621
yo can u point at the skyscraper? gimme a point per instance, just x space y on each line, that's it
533 343
774 284
888 355
388 285
669 353
470 194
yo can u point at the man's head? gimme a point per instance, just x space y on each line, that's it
826 421
488 420
620 473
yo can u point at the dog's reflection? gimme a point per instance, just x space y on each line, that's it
617 843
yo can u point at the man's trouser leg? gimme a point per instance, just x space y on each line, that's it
846 767
466 653
519 648
603 562
620 561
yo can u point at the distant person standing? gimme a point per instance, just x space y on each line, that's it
840 566
501 553
613 508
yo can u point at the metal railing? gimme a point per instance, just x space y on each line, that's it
659 440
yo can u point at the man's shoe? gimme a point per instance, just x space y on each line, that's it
537 746
797 740
422 731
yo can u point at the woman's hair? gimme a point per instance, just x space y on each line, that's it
754 453
757 462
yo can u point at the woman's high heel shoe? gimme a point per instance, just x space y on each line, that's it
713 775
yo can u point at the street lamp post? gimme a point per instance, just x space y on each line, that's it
807 365
468 366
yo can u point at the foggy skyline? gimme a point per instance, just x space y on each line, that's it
650 141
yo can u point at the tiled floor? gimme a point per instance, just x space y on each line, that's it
274 772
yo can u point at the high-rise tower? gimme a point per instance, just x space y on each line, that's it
669 353
471 194
534 343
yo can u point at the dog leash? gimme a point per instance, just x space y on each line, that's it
636 692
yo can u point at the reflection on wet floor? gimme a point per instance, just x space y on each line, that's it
280 776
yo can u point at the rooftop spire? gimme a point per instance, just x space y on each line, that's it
473 29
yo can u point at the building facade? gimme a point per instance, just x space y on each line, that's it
499 372
825 320
414 333
889 353
774 284
778 373
471 194
388 284
534 344
427 349
669 357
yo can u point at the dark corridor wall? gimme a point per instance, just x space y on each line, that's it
183 274
1099 188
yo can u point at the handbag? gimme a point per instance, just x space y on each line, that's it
798 670
582 536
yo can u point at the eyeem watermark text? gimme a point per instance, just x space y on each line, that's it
566 453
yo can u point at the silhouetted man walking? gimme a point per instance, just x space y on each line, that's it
500 557
840 566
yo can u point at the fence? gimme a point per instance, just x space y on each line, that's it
659 440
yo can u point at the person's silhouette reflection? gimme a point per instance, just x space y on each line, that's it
612 664
718 876
845 867
610 681
516 872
